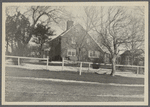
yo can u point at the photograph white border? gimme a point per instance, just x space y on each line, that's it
136 3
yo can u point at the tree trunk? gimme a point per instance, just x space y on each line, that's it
41 52
12 48
79 55
113 66
6 47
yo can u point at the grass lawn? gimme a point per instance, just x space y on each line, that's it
27 90
31 90
68 75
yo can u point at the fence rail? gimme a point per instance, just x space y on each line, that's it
105 64
80 66
20 57
90 63
25 57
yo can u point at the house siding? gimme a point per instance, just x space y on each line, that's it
55 51
84 44
81 38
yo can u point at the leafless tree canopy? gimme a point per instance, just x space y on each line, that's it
116 28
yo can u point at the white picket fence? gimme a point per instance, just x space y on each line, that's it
65 61
19 57
90 63
80 68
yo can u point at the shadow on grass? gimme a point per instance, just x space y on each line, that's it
69 75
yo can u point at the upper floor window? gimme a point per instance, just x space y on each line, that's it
97 54
94 54
71 52
73 40
88 41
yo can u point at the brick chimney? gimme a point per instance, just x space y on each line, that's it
69 24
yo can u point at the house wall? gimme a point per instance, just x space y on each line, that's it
82 45
106 58
55 51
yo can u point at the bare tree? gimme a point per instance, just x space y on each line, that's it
140 10
44 15
136 40
111 24
136 29
65 16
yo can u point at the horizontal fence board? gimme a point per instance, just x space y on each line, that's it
131 66
67 61
25 57
104 64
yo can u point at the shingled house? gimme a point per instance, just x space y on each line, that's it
76 44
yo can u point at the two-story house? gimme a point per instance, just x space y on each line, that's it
76 44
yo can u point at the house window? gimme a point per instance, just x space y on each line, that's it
88 41
97 54
73 40
91 54
94 54
71 52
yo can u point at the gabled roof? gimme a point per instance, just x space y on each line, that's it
102 47
63 33
135 52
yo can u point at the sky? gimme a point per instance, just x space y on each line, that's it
76 11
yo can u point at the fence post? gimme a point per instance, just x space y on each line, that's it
89 68
18 61
47 62
138 70
80 68
62 63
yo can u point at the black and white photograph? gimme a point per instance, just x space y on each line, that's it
75 53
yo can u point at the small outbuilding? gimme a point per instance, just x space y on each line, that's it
132 57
